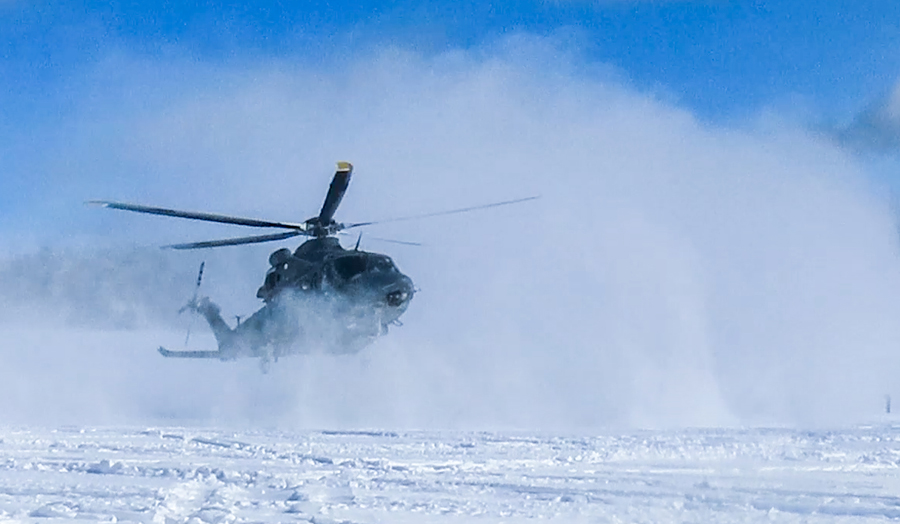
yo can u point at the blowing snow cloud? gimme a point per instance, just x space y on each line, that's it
673 272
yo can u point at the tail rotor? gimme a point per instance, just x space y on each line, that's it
193 303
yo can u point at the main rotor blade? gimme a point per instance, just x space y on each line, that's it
392 241
381 239
335 192
236 241
441 213
207 217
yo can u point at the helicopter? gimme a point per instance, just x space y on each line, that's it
321 295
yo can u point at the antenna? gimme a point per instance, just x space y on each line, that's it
193 302
357 241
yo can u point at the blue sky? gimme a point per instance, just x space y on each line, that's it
722 61
719 58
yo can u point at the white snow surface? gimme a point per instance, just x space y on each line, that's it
178 474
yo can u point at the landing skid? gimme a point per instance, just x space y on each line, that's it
189 354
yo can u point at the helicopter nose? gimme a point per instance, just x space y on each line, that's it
396 298
399 293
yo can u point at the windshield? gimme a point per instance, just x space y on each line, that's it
382 264
349 267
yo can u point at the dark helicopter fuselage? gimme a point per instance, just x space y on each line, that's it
322 266
320 297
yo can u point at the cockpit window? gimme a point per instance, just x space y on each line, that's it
382 264
349 267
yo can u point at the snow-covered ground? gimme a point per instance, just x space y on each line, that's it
173 474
